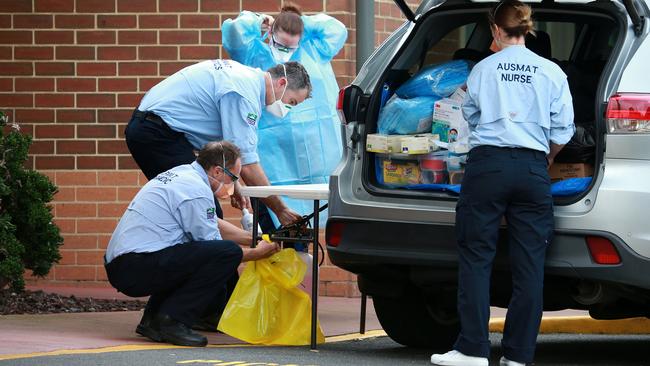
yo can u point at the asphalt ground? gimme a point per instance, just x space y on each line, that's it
108 339
372 350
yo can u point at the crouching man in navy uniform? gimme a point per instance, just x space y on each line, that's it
168 246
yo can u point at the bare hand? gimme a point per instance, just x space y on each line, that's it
267 22
288 216
239 201
266 249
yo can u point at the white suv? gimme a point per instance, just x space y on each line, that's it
401 242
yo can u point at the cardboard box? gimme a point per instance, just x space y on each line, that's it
399 172
448 121
418 144
384 143
561 171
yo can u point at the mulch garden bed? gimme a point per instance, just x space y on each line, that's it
39 302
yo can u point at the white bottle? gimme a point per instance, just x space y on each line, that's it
247 221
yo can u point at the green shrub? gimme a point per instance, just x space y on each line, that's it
28 237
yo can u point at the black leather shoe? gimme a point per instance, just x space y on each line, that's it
148 327
175 332
207 323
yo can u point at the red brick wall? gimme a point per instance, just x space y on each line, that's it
71 72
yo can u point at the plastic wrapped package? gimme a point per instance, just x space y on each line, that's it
406 116
438 81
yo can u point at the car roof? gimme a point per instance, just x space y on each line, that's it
427 5
631 6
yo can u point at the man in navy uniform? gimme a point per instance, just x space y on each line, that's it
167 245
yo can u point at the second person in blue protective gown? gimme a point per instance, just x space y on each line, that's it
305 146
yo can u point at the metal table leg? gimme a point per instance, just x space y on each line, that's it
255 202
362 320
314 282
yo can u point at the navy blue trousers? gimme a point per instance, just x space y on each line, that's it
156 148
511 183
184 281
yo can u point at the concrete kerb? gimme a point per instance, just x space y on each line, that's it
584 325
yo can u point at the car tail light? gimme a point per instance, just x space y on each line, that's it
628 113
602 250
339 104
333 233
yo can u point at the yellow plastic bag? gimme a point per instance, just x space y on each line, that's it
267 307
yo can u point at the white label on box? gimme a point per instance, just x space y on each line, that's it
419 144
383 143
448 112
394 143
376 143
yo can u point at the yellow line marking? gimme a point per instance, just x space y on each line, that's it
584 325
126 348
199 361
153 347
355 336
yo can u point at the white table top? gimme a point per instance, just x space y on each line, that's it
299 191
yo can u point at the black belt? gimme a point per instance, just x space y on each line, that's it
519 152
149 116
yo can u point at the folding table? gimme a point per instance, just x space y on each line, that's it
315 192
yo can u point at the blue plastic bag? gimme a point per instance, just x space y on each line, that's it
563 188
305 146
570 187
439 80
406 116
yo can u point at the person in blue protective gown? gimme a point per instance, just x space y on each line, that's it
309 137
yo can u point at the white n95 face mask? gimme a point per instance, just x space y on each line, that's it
281 54
223 190
279 108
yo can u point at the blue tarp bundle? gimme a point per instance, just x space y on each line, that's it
410 109
565 188
406 116
438 81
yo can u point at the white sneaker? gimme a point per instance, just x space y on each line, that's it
455 358
506 362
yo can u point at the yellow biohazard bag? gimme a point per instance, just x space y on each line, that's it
267 307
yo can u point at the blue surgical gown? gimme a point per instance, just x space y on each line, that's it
305 146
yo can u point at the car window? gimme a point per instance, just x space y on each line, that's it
444 48
562 36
